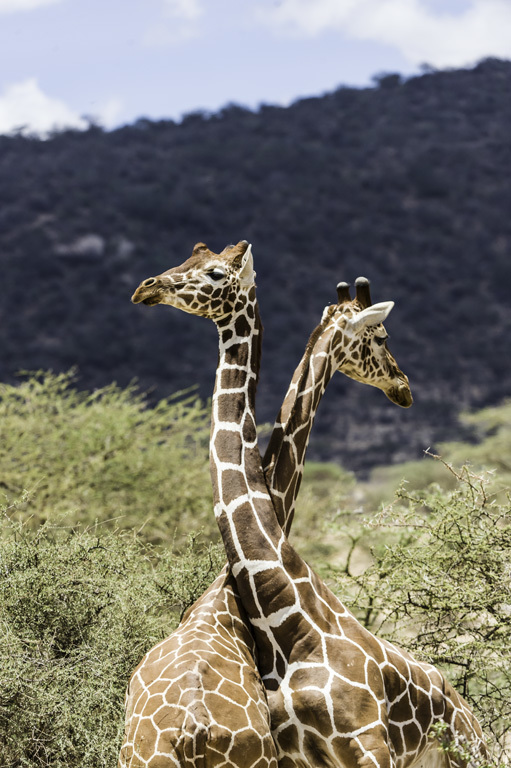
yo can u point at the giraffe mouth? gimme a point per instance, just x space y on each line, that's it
146 296
401 395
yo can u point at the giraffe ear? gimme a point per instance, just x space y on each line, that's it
373 315
247 274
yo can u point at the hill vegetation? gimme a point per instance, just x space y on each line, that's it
406 182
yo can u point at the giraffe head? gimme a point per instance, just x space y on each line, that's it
207 284
361 339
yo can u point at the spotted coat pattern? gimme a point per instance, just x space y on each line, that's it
337 695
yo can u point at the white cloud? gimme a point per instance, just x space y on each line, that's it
24 105
190 10
180 23
108 113
13 6
419 31
309 18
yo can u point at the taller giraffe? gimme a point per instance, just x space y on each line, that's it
337 695
214 635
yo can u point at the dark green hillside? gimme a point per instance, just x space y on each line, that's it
407 183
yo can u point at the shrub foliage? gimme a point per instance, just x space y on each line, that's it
104 456
440 585
90 577
78 609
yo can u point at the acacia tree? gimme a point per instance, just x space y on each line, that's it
440 585
105 456
78 610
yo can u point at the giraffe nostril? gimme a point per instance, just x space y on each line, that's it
150 281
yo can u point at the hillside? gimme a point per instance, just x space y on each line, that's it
407 183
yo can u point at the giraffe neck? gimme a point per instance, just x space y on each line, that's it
235 461
242 502
285 455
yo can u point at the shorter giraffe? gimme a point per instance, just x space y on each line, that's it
362 355
337 695
203 678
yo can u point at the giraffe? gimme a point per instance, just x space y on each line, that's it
364 357
337 695
213 641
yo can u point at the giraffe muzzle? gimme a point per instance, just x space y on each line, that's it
149 292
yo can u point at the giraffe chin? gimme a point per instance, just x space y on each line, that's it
151 301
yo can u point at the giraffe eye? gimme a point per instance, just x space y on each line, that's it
380 340
216 274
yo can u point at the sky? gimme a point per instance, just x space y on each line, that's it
63 62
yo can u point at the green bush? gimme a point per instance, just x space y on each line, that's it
104 456
440 585
95 567
78 609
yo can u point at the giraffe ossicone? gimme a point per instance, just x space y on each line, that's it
337 695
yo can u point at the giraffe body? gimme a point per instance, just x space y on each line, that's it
186 709
337 695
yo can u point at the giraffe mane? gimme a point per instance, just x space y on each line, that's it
318 330
259 342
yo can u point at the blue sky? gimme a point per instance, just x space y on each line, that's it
61 60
